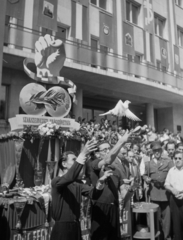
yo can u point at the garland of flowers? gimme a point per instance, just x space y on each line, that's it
52 130
10 135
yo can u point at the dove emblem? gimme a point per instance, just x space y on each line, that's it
122 109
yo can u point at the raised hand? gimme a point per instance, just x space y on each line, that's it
89 147
125 137
50 56
105 175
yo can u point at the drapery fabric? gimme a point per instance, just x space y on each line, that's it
7 161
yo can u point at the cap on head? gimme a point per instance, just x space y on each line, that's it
156 145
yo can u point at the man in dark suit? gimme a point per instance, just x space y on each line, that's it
122 164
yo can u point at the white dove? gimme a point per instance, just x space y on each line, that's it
121 109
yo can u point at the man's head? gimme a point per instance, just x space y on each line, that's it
103 149
178 157
135 148
123 154
170 147
180 147
67 160
157 150
130 157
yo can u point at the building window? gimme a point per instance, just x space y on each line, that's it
46 31
179 2
107 5
130 58
159 67
61 33
180 36
102 4
103 49
94 2
159 24
3 102
94 44
94 47
132 12
151 48
138 58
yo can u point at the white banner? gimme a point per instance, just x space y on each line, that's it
19 121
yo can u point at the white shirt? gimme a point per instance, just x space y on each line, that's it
175 178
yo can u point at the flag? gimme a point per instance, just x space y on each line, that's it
176 59
148 16
47 17
128 39
106 38
79 21
163 53
15 8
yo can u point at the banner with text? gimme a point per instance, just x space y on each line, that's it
19 121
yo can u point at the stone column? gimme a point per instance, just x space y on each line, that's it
150 114
78 108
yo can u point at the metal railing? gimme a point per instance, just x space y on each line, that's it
25 38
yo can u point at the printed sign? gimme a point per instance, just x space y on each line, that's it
22 120
40 233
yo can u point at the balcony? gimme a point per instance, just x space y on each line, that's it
23 39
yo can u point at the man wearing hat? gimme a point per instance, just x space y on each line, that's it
155 174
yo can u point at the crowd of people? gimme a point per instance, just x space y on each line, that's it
134 165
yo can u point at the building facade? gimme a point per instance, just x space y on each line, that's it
115 49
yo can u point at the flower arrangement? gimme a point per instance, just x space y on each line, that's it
52 130
10 135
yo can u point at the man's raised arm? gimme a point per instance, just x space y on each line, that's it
111 156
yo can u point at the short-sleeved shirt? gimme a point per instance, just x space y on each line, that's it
158 172
110 192
175 179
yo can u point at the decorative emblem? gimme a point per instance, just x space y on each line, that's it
128 40
35 100
164 53
148 7
176 59
13 1
106 29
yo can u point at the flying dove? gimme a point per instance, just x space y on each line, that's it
121 109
